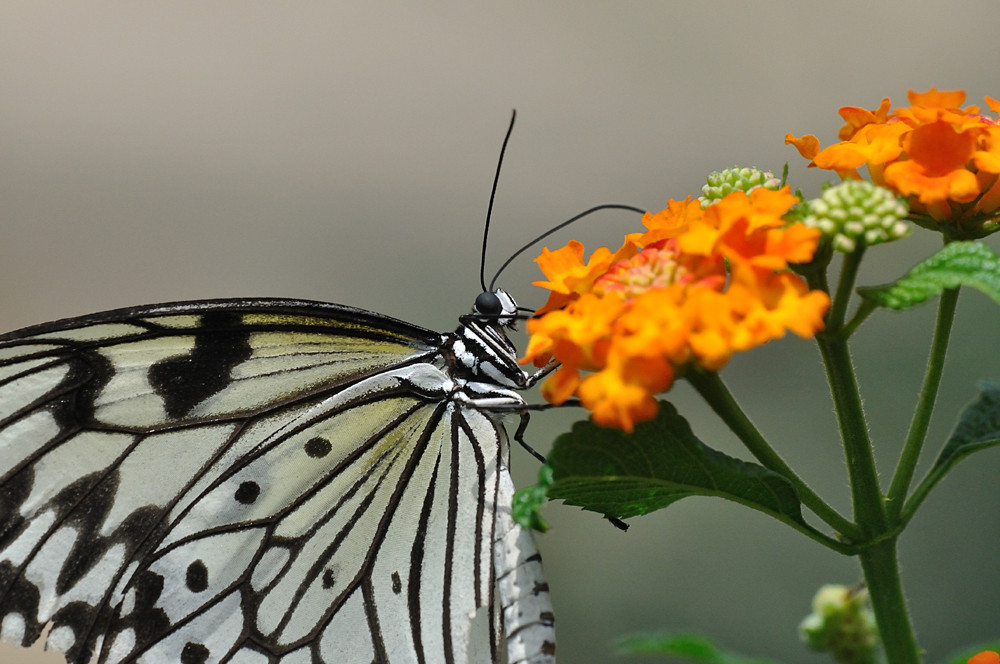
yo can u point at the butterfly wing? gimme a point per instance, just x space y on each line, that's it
246 481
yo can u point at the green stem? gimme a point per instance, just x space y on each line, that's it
886 592
711 387
878 559
865 309
869 512
917 434
845 287
916 498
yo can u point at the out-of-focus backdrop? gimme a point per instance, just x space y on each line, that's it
344 152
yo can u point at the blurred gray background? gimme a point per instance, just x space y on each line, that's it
344 152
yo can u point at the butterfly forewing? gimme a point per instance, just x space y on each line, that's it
248 481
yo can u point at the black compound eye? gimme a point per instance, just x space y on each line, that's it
488 303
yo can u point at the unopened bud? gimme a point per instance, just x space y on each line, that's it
733 179
842 624
857 212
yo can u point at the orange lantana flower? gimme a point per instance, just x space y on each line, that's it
569 276
697 286
985 657
944 158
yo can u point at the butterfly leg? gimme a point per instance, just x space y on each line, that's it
549 367
519 436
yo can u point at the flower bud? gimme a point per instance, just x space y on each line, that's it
842 624
857 212
733 179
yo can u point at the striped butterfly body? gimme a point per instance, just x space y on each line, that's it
265 481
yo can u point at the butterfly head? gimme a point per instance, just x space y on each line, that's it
496 306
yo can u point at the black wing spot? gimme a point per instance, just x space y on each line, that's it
247 492
197 577
184 382
147 620
397 584
148 588
328 579
318 447
194 653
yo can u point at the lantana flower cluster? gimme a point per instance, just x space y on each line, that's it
697 286
945 159
985 657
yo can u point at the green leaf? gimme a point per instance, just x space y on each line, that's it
608 471
958 264
978 425
692 647
527 502
978 428
963 655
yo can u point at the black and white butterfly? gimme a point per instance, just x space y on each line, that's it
265 481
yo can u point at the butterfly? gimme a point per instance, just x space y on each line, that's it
266 481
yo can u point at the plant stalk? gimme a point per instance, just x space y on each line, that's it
878 558
869 511
925 404
885 590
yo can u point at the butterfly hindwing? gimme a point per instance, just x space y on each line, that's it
314 566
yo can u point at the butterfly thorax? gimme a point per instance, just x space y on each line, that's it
479 349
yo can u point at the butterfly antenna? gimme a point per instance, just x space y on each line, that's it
558 227
489 210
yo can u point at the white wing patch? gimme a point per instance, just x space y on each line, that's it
26 543
96 332
344 639
12 628
18 352
184 452
23 438
31 380
247 656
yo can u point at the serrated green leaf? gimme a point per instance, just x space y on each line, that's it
608 471
692 647
958 264
978 428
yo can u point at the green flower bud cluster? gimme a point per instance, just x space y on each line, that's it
857 212
733 179
842 624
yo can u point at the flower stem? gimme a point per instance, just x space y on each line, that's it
886 592
845 287
878 558
869 512
711 387
925 404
